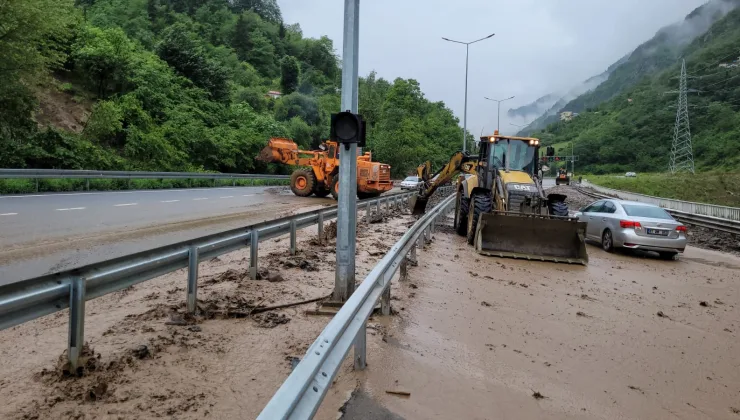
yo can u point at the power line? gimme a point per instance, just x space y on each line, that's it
682 155
736 54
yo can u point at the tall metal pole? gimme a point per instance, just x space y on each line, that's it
465 113
344 281
498 109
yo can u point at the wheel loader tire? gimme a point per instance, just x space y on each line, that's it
557 208
479 204
302 182
335 187
461 214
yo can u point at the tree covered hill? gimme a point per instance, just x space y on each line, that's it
182 85
634 130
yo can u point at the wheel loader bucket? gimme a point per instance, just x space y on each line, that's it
418 204
532 237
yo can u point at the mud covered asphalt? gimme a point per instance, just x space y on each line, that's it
147 358
628 337
471 337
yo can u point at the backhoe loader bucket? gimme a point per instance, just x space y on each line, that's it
418 204
532 237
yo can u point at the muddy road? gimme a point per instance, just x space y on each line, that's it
625 337
146 358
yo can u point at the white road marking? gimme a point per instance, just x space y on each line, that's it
72 208
247 195
169 201
8 214
228 196
124 205
196 199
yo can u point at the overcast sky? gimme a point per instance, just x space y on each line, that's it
540 46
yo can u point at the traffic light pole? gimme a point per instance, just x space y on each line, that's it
344 281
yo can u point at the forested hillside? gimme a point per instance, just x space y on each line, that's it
634 130
181 85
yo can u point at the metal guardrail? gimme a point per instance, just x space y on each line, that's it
37 174
27 300
688 207
302 392
710 222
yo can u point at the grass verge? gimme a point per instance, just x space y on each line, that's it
714 188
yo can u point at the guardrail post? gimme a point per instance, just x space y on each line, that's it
292 237
405 268
76 321
193 279
412 255
361 348
87 184
367 212
377 206
253 246
233 182
321 228
37 184
385 300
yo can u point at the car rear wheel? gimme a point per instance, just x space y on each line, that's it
607 241
667 255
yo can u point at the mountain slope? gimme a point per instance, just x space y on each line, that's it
657 54
634 130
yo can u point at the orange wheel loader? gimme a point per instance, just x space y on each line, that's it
321 169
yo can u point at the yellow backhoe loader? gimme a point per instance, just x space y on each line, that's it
501 206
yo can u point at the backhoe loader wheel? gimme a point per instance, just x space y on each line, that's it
335 187
479 204
557 208
461 213
302 182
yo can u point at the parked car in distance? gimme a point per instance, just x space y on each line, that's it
630 174
410 183
630 224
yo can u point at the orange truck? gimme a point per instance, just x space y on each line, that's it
320 175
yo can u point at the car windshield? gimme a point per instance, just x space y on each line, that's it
412 178
646 211
520 156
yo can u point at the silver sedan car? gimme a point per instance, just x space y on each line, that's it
629 224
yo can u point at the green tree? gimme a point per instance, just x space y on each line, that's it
180 49
290 72
104 57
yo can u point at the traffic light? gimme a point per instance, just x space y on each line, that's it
348 128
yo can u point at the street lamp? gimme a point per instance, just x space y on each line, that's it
498 101
467 51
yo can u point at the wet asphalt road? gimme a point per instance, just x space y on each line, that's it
50 232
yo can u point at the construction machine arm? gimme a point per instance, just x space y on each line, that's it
460 162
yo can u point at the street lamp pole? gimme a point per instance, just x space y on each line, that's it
498 101
467 55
